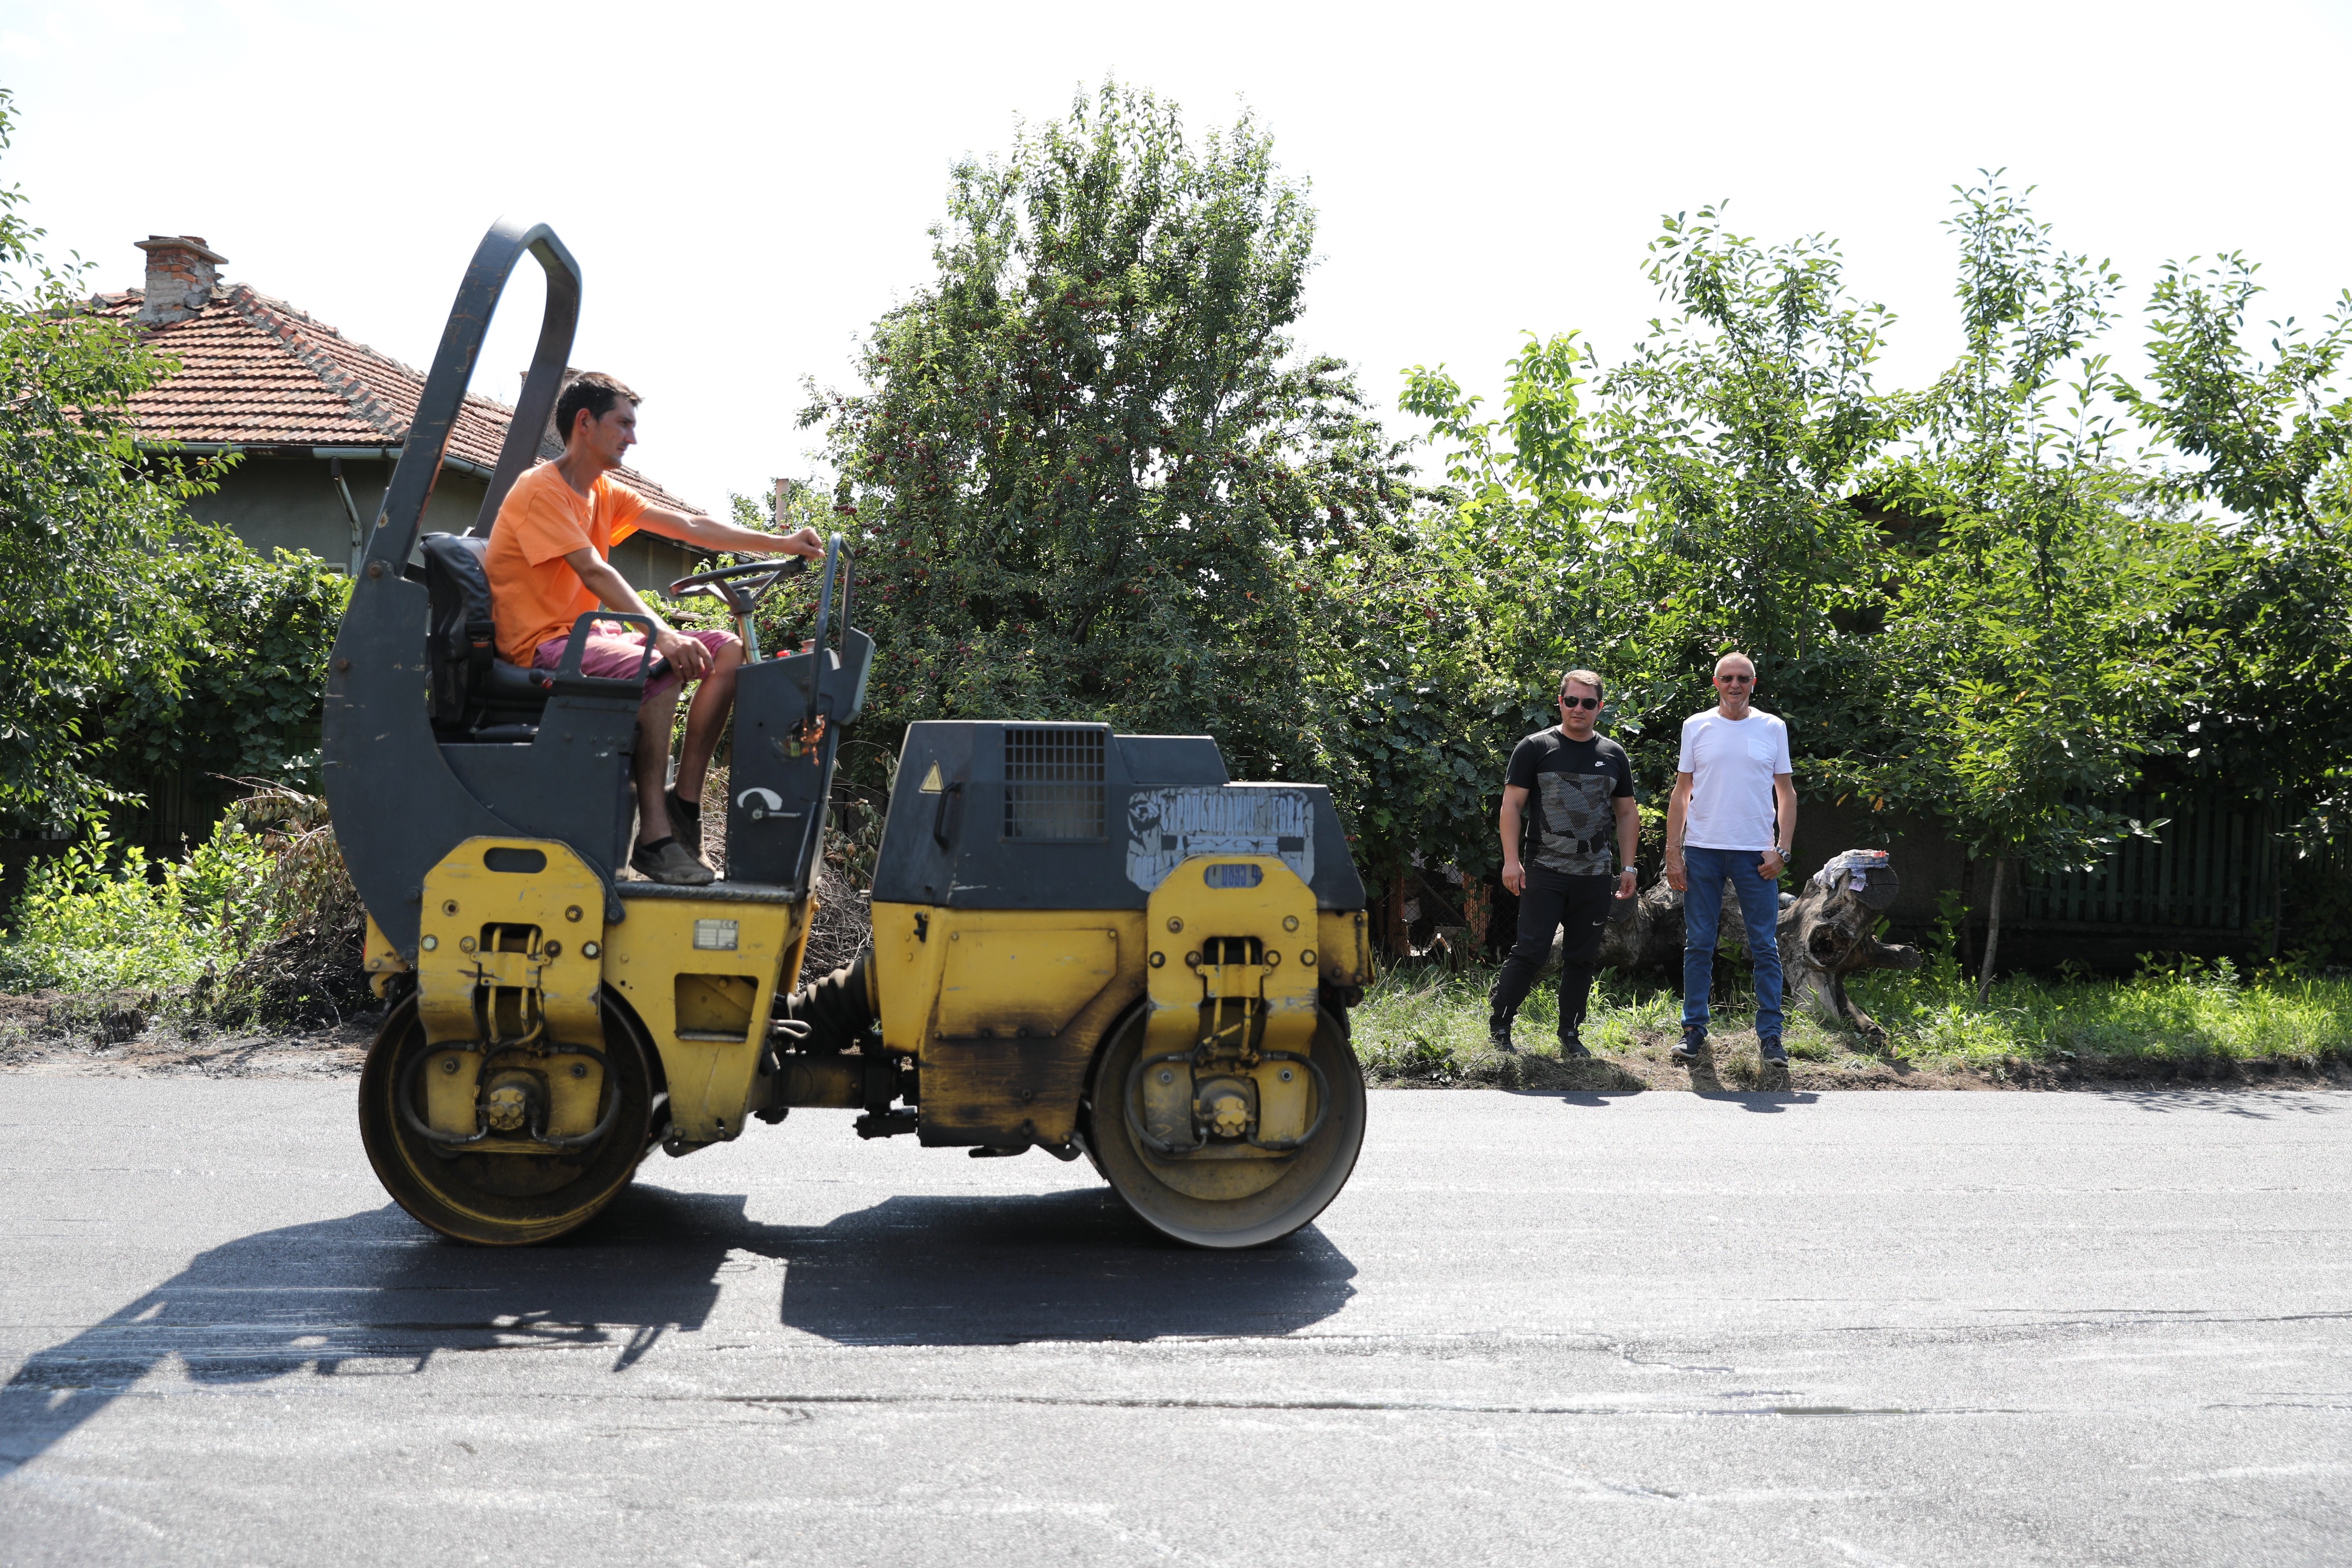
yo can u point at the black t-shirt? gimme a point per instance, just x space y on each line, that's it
1570 786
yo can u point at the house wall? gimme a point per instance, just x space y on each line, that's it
287 503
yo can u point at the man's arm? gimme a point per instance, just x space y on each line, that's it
685 655
1677 807
1629 843
1515 876
713 534
1784 833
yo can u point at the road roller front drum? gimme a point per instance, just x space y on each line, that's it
504 1186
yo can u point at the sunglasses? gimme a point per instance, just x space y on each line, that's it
1737 679
1580 703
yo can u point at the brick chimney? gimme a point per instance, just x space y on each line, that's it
183 273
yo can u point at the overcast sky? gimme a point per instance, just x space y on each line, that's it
747 186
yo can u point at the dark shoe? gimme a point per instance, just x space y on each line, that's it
1570 1045
1771 1050
670 862
1499 1037
1688 1047
684 821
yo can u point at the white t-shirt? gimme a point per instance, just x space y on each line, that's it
1732 762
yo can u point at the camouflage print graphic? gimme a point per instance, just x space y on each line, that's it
1580 825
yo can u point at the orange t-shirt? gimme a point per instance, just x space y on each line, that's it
534 593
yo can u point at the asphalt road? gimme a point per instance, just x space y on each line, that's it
1652 1329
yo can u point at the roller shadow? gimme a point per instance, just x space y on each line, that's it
375 1293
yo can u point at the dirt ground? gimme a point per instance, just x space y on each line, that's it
125 1037
1732 1065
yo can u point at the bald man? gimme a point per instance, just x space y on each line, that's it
1732 818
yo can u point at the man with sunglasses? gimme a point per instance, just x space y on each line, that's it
1583 785
1732 817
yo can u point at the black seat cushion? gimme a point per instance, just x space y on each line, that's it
477 696
468 678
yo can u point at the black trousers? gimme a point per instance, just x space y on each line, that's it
1554 900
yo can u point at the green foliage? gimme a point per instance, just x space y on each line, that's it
83 518
1737 434
2277 607
235 693
2028 647
1092 477
95 920
2273 435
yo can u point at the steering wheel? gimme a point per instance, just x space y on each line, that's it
720 583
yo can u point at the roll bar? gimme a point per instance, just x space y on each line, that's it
428 443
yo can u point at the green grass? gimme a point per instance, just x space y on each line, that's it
1430 1025
2188 1012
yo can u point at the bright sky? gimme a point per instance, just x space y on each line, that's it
748 187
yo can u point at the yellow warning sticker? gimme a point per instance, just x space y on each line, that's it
932 783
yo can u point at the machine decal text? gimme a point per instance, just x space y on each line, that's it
1166 827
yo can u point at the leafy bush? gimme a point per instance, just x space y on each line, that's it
257 924
235 692
95 920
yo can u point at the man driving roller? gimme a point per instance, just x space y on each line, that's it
549 564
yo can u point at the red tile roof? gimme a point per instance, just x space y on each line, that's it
256 371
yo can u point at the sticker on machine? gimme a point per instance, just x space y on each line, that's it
1165 827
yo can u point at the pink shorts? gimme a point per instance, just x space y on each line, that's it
619 655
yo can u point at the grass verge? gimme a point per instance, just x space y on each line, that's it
1428 1025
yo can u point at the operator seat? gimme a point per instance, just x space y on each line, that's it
478 697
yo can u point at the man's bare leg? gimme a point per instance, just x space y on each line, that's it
706 719
652 769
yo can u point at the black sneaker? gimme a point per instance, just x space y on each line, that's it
1570 1045
685 820
1771 1050
1688 1047
1499 1037
669 861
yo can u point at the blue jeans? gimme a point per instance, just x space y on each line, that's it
1759 908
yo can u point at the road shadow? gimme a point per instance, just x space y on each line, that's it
375 1293
1767 1093
1072 1265
2260 1102
1762 1101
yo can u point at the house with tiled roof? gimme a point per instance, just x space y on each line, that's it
318 418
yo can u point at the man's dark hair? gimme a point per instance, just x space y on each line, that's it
594 392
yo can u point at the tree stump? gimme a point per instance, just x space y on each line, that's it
1825 935
1647 933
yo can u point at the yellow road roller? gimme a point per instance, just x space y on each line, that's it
1084 943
